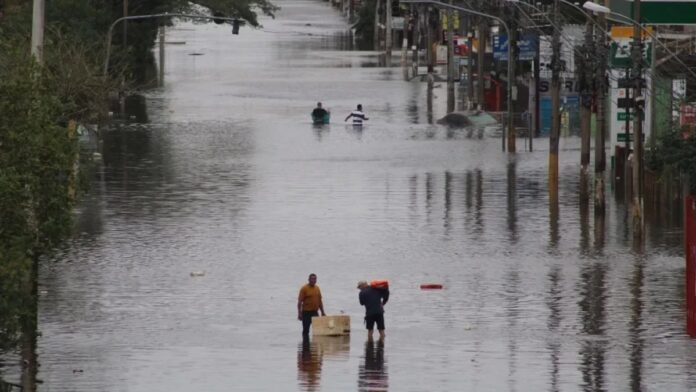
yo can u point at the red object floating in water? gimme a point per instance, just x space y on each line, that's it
430 286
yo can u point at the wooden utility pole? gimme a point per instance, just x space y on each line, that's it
470 62
450 60
37 30
512 41
555 102
639 103
388 31
482 32
600 134
586 82
161 55
432 25
378 3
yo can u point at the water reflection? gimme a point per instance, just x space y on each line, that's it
553 301
584 225
512 200
320 131
355 131
372 374
429 101
311 354
554 234
592 307
309 361
635 325
447 221
599 221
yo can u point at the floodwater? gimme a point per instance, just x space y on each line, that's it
231 181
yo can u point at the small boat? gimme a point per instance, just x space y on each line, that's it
321 119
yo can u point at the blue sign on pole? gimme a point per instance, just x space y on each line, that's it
527 45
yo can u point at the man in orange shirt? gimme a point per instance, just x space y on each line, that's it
308 303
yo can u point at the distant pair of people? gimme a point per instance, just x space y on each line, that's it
358 115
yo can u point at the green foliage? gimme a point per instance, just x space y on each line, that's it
36 157
675 152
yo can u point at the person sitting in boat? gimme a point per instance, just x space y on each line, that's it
319 114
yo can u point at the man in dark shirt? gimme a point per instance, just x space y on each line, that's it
318 113
374 300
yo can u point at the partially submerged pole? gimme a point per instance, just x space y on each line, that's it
161 55
450 60
639 102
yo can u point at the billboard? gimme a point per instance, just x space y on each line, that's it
527 45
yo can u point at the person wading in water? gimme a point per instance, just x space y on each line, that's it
358 117
309 304
374 300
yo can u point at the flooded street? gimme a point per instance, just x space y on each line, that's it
230 180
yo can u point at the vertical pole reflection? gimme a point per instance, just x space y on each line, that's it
553 223
512 199
413 195
29 322
512 313
372 373
584 222
413 106
478 214
309 361
599 222
553 301
635 325
429 100
447 221
593 316
428 195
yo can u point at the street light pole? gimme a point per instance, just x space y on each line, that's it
152 16
510 129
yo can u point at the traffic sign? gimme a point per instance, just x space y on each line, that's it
671 12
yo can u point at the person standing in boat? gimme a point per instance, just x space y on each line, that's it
309 304
374 300
319 114
358 116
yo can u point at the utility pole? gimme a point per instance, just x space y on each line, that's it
378 3
161 55
388 32
555 103
585 76
639 101
600 90
470 62
512 41
417 13
482 32
37 30
430 50
450 60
